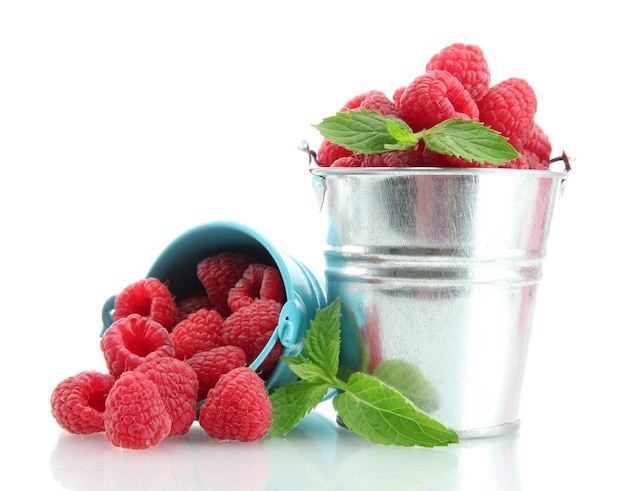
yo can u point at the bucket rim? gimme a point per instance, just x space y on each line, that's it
321 171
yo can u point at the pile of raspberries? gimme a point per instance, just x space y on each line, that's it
455 84
172 361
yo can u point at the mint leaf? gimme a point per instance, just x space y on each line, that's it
381 414
402 133
307 370
322 342
369 132
292 402
361 131
469 140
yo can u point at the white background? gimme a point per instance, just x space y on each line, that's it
123 124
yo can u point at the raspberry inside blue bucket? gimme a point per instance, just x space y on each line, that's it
176 266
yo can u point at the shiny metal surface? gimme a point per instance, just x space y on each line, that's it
438 270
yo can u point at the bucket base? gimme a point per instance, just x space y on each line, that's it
475 433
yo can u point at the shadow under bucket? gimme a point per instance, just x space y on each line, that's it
438 271
176 266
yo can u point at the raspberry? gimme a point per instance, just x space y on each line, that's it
148 297
237 408
468 64
250 328
201 331
135 415
219 273
78 402
373 100
396 158
329 152
210 365
258 281
433 97
509 107
131 340
193 302
351 161
177 384
538 145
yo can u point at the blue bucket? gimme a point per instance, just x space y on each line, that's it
177 267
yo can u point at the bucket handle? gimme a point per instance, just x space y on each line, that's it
319 184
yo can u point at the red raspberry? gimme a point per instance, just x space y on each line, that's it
210 365
250 328
509 107
178 387
468 64
193 302
329 152
397 95
131 340
201 331
434 97
219 273
78 402
148 297
396 158
258 281
135 415
351 161
237 408
373 100
538 145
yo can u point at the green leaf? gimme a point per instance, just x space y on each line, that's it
469 140
361 131
292 402
307 370
381 414
322 341
402 133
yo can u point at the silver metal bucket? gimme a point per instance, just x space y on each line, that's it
438 272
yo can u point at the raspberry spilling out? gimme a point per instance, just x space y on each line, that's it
237 408
131 340
158 376
148 297
78 402
200 331
135 415
177 384
210 365
455 84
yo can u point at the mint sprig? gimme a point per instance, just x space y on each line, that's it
368 406
369 132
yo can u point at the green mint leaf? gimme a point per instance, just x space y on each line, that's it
292 402
381 414
402 133
307 370
361 131
322 341
469 140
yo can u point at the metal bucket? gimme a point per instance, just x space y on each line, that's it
438 272
177 267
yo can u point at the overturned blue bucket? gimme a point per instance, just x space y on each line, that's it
177 267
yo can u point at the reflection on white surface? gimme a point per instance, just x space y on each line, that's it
316 455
